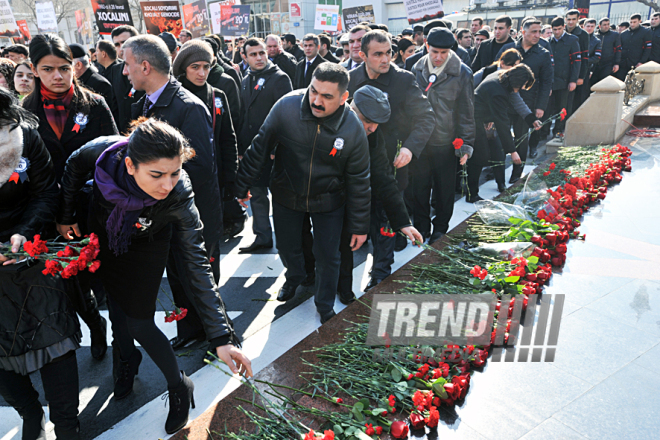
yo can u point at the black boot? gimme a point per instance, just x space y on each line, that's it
98 328
181 398
34 422
61 389
126 374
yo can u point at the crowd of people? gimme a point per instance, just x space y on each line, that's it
159 145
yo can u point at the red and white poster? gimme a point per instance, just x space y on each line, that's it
215 14
195 18
24 29
162 16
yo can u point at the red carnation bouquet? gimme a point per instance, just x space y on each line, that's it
61 258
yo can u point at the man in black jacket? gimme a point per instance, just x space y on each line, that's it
406 133
94 81
106 55
489 49
125 94
324 49
540 61
261 89
292 47
147 64
582 90
655 41
309 63
280 57
321 168
610 55
568 65
636 43
595 52
460 51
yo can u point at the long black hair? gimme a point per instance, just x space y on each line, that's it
50 44
519 77
151 140
11 114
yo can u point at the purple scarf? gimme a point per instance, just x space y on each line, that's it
120 188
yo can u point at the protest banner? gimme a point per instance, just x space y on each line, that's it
84 26
215 15
235 20
195 18
327 17
110 14
8 26
46 18
423 10
24 29
357 15
162 16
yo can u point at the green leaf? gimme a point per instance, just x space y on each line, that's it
513 279
516 220
533 260
358 415
338 429
365 402
378 411
396 375
358 406
439 389
350 430
476 282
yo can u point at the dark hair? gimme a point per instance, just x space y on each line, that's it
624 24
557 21
313 38
7 68
529 23
41 46
590 21
334 73
636 16
461 32
12 114
290 38
377 36
358 28
404 44
479 19
187 32
656 14
151 139
383 27
518 77
108 48
581 21
252 42
27 63
220 41
509 57
504 19
572 12
603 20
17 48
123 28
324 39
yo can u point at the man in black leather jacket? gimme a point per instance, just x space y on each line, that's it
321 168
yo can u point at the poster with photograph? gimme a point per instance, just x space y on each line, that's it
162 16
195 18
8 26
24 29
110 14
84 34
215 14
235 20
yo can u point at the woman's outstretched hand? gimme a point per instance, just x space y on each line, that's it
16 242
235 359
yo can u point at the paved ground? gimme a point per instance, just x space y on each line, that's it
249 287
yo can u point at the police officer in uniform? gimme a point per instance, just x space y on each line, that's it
655 42
571 22
636 43
610 55
568 65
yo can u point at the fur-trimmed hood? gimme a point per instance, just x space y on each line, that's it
11 148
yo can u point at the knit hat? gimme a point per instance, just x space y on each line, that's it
191 52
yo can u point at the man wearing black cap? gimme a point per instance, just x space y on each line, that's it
407 32
488 50
462 53
409 127
449 87
321 168
290 45
170 41
87 74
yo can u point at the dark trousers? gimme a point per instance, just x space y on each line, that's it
435 170
496 159
260 205
345 284
383 247
60 381
308 245
192 325
559 100
578 96
327 235
601 72
520 129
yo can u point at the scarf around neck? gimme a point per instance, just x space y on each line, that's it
121 189
204 92
56 107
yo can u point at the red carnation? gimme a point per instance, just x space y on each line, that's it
458 143
417 421
399 429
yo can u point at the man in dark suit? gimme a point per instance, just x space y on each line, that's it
280 57
309 63
88 75
325 49
354 46
489 49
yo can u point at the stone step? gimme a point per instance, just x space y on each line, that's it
649 116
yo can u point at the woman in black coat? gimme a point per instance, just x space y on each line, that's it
69 117
39 330
142 201
492 103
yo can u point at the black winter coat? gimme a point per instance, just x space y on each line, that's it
412 120
97 83
487 53
35 313
568 61
125 95
297 52
219 79
303 79
183 110
27 203
611 50
583 38
451 96
541 62
178 210
256 103
492 104
635 47
287 64
308 176
595 51
655 44
99 123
